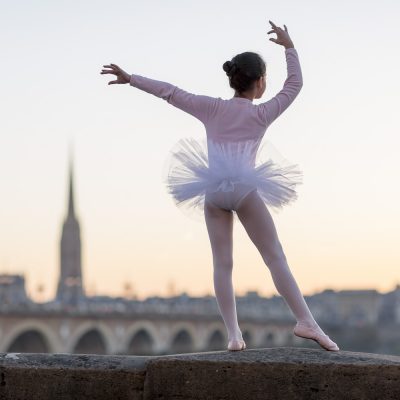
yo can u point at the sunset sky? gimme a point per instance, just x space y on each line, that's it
342 130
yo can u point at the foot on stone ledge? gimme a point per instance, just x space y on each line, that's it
236 344
316 334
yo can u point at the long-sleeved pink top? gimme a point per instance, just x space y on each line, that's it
235 119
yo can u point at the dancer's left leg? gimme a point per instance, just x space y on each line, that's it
220 228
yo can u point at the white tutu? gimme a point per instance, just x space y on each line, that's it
194 168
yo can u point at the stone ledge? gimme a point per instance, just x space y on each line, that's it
271 373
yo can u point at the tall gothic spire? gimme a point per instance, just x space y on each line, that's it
70 285
71 210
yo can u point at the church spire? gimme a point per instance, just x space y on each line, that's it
70 285
71 210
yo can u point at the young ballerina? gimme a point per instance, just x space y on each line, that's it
223 177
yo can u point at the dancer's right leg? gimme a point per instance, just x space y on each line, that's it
259 225
258 222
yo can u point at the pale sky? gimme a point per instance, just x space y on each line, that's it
342 130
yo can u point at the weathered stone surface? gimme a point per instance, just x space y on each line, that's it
275 373
34 376
272 373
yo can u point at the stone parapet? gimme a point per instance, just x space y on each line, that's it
270 373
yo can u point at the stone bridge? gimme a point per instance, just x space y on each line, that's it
145 335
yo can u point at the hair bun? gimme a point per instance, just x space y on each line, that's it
229 67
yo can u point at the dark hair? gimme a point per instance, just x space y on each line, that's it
243 70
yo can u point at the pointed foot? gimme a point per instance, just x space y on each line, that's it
317 335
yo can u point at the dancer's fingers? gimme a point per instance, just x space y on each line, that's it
112 82
285 28
106 71
272 24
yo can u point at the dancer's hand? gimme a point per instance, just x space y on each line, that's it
122 76
283 37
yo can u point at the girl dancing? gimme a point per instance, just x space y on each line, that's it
221 176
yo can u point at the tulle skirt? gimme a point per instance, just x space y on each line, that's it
199 170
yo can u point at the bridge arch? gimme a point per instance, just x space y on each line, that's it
183 338
215 337
142 338
100 333
35 330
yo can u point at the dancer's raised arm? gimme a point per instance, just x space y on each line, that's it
274 107
201 107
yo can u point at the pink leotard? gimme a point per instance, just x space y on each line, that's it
234 119
230 120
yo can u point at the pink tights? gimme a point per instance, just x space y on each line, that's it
257 221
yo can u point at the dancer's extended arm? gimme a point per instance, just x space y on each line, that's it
271 109
201 107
